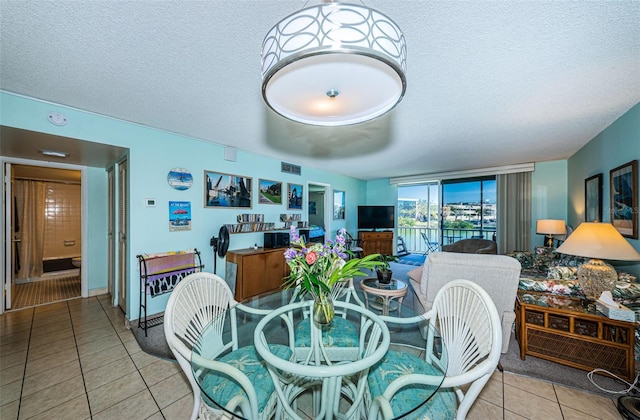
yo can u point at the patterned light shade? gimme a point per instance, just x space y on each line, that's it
333 64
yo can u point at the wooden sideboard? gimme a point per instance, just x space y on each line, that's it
376 242
258 270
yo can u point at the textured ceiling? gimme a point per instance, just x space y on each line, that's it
489 82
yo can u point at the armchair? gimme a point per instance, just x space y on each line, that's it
472 246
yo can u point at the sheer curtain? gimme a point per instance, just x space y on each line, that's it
514 212
30 207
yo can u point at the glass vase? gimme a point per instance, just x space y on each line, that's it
323 310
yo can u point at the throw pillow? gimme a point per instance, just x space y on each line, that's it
416 274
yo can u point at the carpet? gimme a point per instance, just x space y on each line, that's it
412 259
154 343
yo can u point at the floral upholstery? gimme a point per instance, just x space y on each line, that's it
396 364
247 360
340 333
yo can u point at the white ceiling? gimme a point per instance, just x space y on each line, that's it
489 82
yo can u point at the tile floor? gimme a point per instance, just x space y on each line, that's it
76 360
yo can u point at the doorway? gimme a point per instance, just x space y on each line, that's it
43 234
319 211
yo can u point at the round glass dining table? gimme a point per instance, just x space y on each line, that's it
406 337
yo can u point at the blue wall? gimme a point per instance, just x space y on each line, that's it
548 195
152 153
616 145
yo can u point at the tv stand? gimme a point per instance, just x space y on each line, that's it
376 242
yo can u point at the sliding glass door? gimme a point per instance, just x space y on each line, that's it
418 215
468 209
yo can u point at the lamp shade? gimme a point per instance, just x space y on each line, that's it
598 240
333 64
551 227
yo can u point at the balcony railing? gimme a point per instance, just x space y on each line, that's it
413 236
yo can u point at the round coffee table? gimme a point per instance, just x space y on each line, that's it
384 293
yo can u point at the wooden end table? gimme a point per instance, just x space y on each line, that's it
570 331
395 289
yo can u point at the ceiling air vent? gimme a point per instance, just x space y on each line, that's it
290 168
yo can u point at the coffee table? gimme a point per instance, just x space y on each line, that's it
384 293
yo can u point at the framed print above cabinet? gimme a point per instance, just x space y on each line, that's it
593 199
225 190
624 199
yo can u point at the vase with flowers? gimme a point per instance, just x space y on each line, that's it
320 270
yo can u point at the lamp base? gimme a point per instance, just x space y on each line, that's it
596 276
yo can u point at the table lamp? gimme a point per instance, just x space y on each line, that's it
550 227
598 240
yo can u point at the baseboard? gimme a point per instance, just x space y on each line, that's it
97 292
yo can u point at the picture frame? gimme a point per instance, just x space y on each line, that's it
312 207
624 199
269 192
593 198
226 190
338 205
294 196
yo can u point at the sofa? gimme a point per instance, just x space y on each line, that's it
497 274
472 246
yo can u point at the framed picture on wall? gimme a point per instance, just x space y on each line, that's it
269 192
338 204
227 191
294 196
593 198
624 199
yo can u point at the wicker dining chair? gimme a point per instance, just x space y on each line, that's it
200 301
470 331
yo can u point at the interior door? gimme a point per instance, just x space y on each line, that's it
10 239
122 234
111 237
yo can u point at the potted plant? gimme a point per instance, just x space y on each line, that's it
383 271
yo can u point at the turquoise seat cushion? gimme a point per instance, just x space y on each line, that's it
340 333
396 364
248 361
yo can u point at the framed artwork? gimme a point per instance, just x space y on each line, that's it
593 199
624 199
338 204
294 196
227 191
269 192
179 216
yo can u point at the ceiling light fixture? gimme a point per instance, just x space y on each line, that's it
54 153
334 64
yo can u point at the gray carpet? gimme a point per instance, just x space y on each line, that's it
154 343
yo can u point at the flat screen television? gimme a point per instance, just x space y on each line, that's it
376 217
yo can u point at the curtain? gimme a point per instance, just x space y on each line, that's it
30 202
514 212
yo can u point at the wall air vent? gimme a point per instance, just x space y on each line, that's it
290 168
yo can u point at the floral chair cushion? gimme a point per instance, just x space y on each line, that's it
340 333
247 360
394 364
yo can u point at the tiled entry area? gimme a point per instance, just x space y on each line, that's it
76 360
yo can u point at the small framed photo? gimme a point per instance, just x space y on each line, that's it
294 196
338 204
226 190
269 192
624 199
593 199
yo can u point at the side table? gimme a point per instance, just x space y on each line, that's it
387 292
571 332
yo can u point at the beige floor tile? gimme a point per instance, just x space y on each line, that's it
529 405
12 374
509 415
17 358
52 307
130 342
109 372
49 338
77 408
16 346
7 329
158 416
484 410
170 390
114 392
142 359
36 352
98 345
15 337
51 377
103 357
51 319
84 320
10 411
18 316
96 334
10 392
540 388
179 410
138 406
51 397
493 393
50 328
157 371
588 403
569 413
50 361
